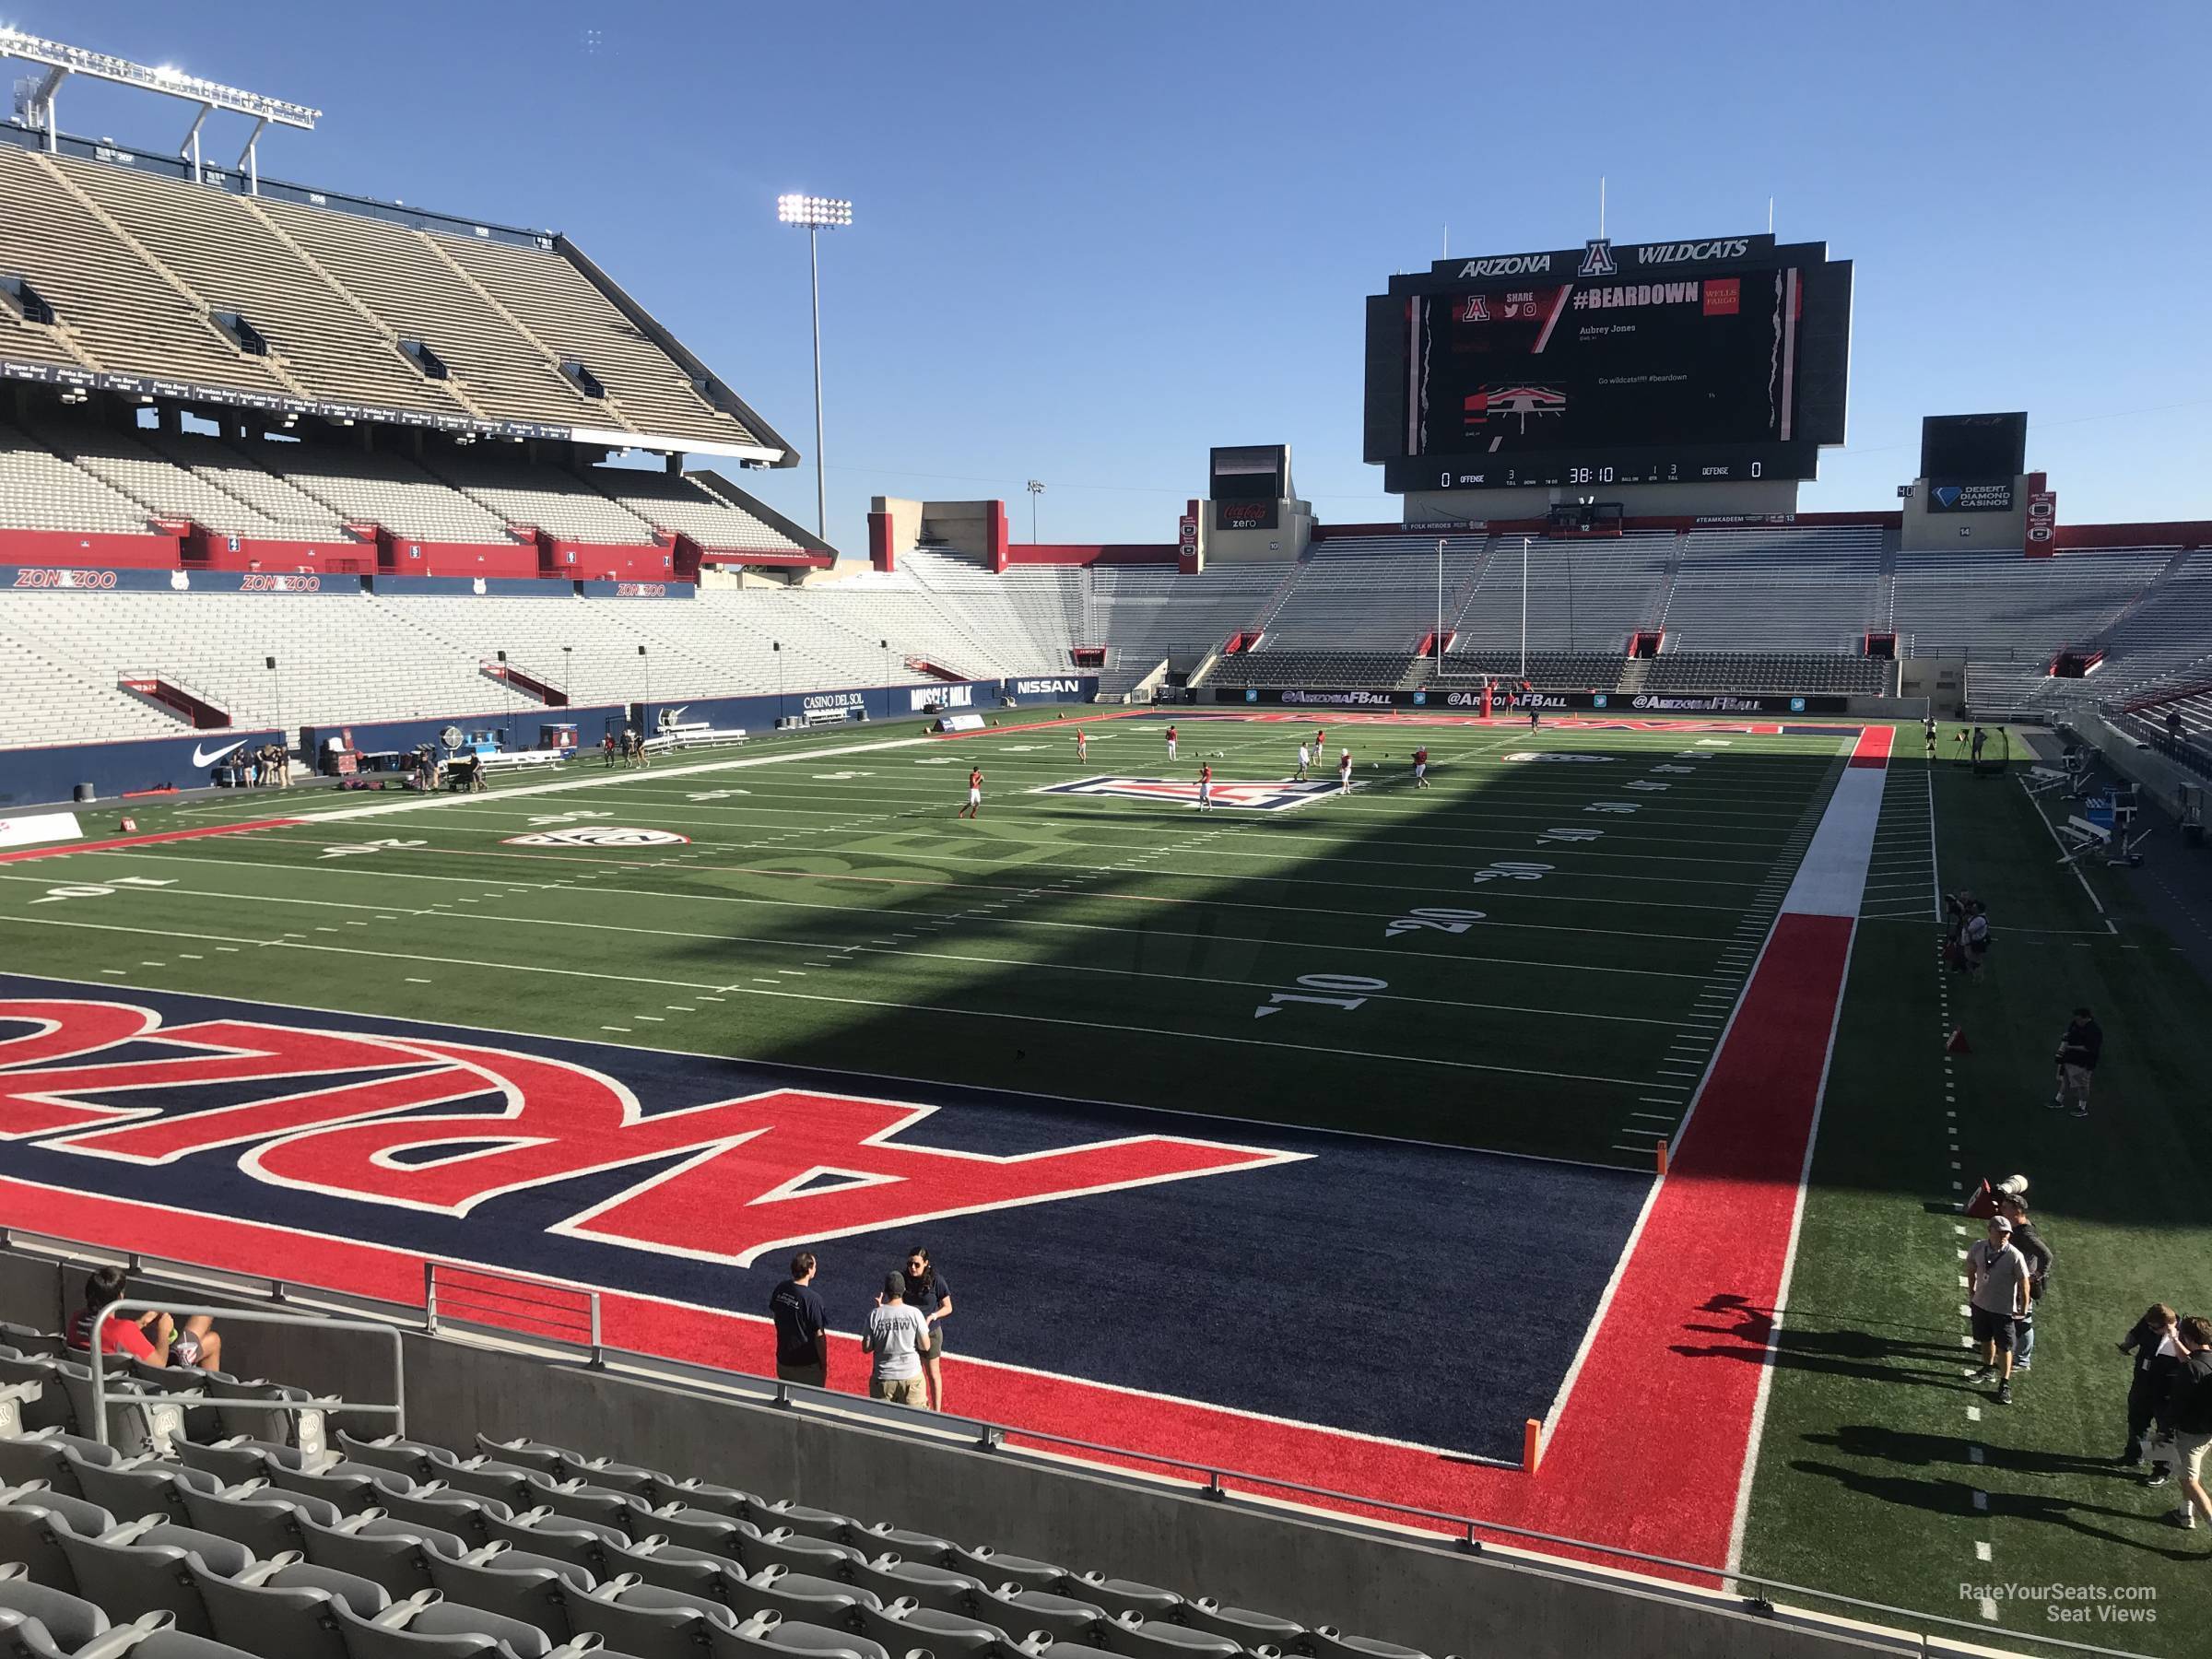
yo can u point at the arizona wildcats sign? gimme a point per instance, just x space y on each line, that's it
1249 797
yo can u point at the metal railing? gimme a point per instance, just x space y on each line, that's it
1472 1535
476 1290
104 1397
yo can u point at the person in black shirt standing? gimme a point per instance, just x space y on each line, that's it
2157 1356
2029 1243
802 1339
926 1288
2187 1416
2079 1046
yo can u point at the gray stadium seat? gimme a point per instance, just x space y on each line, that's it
987 1564
516 1486
70 1619
267 1520
390 1553
532 1454
307 1430
646 1621
579 1501
430 1627
1326 1641
1062 1618
40 1455
133 1429
281 1610
825 1524
201 1421
531 1588
1254 1631
177 1644
30 1341
721 1500
1125 1595
146 1568
795 1554
580 1542
1141 1638
353 1488
237 1460
758 1637
648 1486
705 1529
939 1587
415 1459
29 1521
448 1511
883 1538
50 1409
142 1487
905 1626
22 1637
800 1596
674 1567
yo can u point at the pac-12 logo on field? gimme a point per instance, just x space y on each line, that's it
598 835
1252 797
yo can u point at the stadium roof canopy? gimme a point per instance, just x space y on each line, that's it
119 273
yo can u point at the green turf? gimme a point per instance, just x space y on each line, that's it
833 911
1871 1462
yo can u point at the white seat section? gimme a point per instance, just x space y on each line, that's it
166 489
541 497
671 502
1775 588
243 477
42 490
379 487
1370 593
1583 595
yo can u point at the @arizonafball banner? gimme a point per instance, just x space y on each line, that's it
1504 700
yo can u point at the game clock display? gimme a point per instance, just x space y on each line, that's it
1692 371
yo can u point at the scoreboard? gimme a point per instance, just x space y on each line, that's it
1724 359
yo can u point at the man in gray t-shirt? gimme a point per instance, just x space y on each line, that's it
896 1336
1998 1274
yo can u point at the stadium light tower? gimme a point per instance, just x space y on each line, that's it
815 214
1035 490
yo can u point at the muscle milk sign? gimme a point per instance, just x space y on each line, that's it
943 696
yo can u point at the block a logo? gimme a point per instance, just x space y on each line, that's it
1269 796
1597 258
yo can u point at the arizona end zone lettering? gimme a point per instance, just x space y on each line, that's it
762 1172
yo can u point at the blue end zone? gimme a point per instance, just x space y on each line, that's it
1419 1293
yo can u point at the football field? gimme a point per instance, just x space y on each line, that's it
1386 1069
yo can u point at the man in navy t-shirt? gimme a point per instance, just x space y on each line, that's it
802 1341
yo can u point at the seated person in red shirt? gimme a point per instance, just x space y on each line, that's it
197 1344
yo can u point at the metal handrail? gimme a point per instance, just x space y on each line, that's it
431 1320
1756 1592
103 1397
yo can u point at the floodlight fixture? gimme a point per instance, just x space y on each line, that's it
814 212
813 215
62 61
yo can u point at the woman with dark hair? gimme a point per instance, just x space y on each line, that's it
926 1288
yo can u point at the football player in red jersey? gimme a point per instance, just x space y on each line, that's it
1421 767
1206 787
975 795
1171 743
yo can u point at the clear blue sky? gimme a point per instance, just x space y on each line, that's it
1092 241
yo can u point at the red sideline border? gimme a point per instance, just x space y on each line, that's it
60 849
1646 1452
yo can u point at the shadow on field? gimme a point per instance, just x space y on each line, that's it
1944 1497
1922 1357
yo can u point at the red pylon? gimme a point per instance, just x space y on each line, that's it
1958 1044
